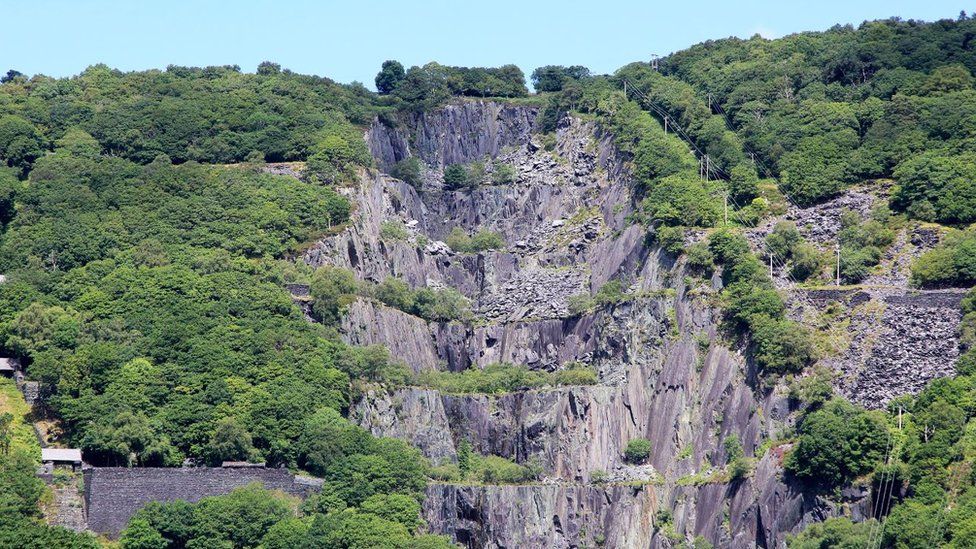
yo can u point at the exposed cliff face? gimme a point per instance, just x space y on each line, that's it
665 371
457 133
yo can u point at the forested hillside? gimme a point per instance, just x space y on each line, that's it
146 247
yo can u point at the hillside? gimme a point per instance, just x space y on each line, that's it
720 302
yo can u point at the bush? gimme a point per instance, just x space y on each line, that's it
637 450
439 305
580 304
610 294
457 176
332 289
837 444
481 241
504 378
498 470
502 174
408 170
700 257
393 230
575 374
951 263
672 239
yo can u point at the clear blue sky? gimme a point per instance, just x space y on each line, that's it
349 40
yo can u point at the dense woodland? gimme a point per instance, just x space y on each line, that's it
145 255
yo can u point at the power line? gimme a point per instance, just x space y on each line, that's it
781 264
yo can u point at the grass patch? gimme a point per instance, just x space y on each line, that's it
12 402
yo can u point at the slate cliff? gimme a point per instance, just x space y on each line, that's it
665 371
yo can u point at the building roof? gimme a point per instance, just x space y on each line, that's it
72 455
6 364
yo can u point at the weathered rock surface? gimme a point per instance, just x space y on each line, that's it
457 133
896 340
664 372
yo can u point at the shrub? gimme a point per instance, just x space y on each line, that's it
951 263
700 257
408 170
504 378
393 230
455 177
502 174
610 294
672 239
580 304
439 305
575 374
483 240
837 444
498 470
332 289
637 450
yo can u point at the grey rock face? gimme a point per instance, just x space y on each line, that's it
665 374
455 134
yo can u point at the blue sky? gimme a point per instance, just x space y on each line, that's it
349 40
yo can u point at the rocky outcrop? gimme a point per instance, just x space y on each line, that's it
542 516
664 370
455 134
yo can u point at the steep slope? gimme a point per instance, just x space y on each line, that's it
665 372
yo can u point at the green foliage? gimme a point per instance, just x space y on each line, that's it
837 444
700 257
253 517
481 241
436 304
835 533
389 77
951 263
752 305
815 389
336 156
409 171
460 176
503 378
498 470
637 450
424 87
553 78
211 114
392 231
20 492
672 239
332 289
502 174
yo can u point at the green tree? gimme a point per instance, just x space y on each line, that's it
389 77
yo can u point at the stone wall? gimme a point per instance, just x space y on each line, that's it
114 494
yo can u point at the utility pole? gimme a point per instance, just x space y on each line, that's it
708 167
709 103
625 89
665 125
770 264
837 246
725 207
899 418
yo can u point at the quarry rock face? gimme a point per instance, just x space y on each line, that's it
665 370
